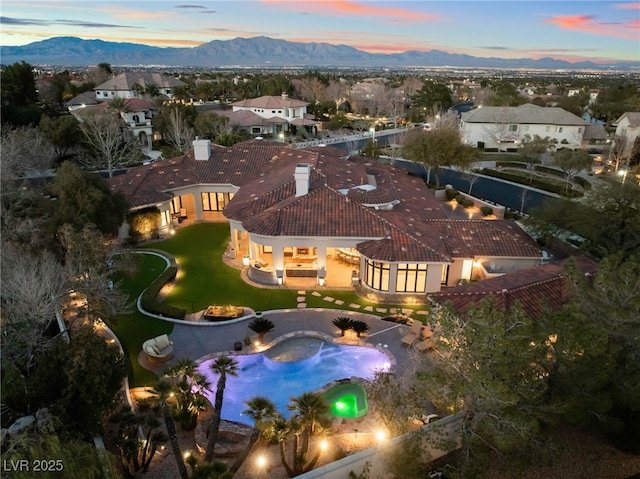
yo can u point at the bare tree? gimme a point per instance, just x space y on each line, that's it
500 130
620 150
112 145
311 89
336 92
532 150
25 152
33 288
571 162
179 134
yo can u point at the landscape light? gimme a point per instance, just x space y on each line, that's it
261 461
381 435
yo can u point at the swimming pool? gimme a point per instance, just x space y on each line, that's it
293 367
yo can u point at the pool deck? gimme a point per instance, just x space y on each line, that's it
199 342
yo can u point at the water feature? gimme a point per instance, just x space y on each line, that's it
280 380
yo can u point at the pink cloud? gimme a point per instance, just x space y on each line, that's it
588 24
348 7
628 6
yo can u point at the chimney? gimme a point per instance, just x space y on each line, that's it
302 175
201 149
285 95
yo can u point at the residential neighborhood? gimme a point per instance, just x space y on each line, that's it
179 235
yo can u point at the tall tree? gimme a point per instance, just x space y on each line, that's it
532 149
262 410
18 85
179 133
209 125
571 162
63 132
86 198
432 96
223 366
110 143
438 147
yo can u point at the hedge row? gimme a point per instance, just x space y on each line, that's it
586 184
510 164
148 300
536 183
551 171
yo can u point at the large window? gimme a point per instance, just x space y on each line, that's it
215 201
377 275
444 279
412 278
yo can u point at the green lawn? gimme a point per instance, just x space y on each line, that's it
204 280
135 328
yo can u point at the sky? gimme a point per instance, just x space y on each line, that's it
574 30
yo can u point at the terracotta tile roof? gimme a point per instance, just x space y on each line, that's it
126 80
406 222
534 289
468 238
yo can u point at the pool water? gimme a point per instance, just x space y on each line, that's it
288 372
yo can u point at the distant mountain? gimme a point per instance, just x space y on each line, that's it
259 51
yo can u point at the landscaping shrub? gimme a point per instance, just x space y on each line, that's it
491 150
486 210
467 203
586 184
451 193
460 199
149 302
550 171
536 183
144 224
510 164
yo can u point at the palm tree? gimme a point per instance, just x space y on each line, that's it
161 392
223 366
261 326
359 327
190 387
262 410
343 323
310 410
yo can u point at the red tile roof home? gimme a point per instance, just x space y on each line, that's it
393 215
535 289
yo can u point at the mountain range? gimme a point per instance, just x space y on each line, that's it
261 51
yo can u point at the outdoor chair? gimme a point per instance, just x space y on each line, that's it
413 334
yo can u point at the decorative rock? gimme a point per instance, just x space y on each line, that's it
315 293
302 305
381 310
339 302
302 292
329 299
368 308
355 306
22 423
300 299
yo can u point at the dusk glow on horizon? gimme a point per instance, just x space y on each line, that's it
599 31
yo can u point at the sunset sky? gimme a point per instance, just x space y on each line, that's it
599 31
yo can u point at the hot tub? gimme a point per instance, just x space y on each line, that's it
347 400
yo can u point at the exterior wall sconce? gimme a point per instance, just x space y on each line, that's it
321 281
280 280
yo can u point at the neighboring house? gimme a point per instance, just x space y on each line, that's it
628 127
84 99
123 85
315 213
505 127
271 115
136 116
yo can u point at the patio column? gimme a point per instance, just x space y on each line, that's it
234 238
393 277
278 258
322 256
197 201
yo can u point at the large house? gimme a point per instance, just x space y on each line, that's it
130 84
505 126
136 116
270 115
316 213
